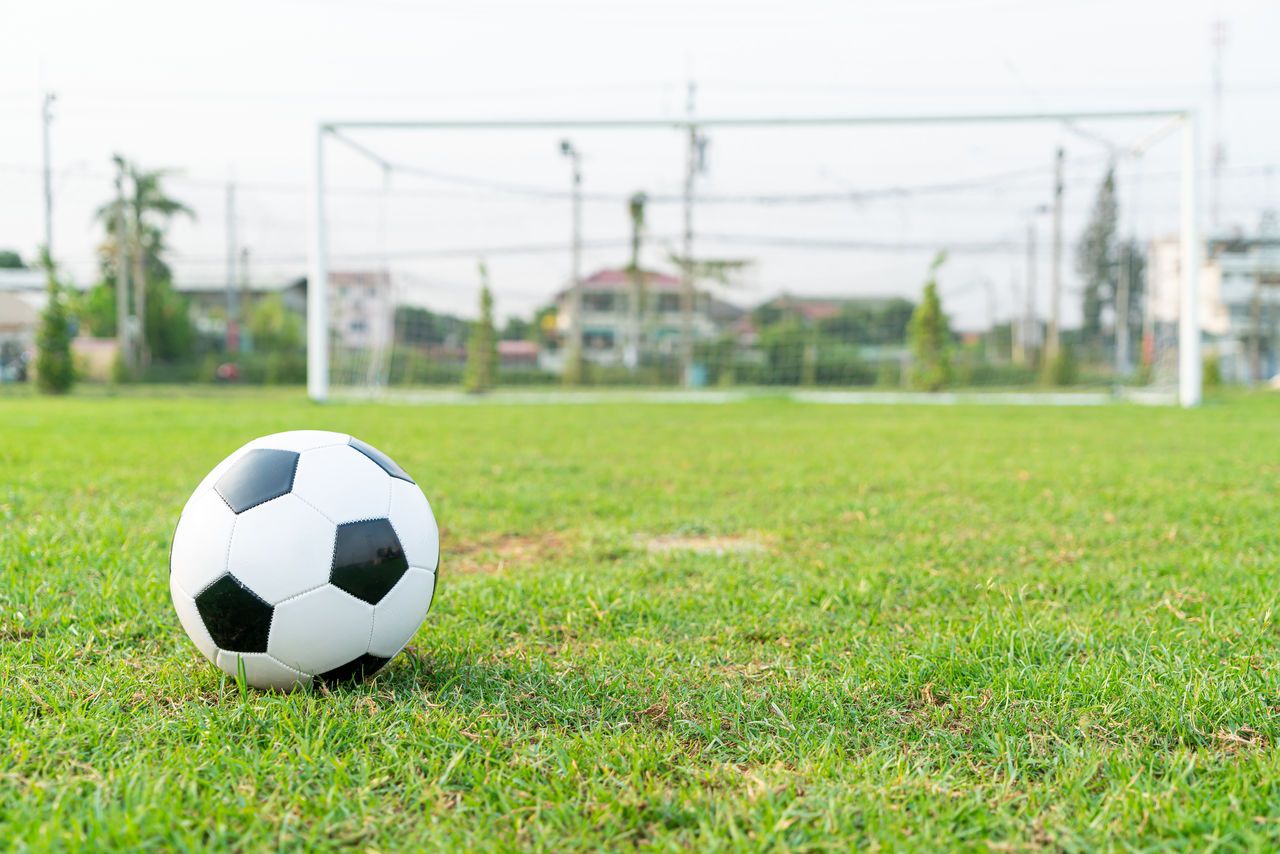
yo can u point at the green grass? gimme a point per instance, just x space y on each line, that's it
959 628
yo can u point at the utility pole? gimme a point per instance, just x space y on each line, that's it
1147 357
686 250
1055 274
1255 321
246 340
1017 351
1218 155
573 352
143 357
46 116
233 307
1122 310
1029 336
124 344
991 319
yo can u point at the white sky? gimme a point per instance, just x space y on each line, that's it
235 89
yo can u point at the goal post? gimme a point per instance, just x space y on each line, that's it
1189 364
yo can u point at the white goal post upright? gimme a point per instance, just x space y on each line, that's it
1189 350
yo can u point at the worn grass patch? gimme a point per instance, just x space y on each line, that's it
762 625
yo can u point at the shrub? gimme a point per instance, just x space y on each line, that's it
55 372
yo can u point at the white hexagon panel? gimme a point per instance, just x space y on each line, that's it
200 542
343 484
347 623
282 548
261 670
415 525
398 616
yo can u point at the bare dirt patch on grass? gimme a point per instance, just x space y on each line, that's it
502 552
701 544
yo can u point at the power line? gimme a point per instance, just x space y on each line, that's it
975 247
766 198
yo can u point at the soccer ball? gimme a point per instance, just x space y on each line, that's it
304 556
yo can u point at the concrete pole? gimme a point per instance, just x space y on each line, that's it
124 344
686 252
1122 312
318 288
1055 274
1030 333
46 116
242 296
573 365
1189 363
233 309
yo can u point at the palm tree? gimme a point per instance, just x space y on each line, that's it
635 207
144 215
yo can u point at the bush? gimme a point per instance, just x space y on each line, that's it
415 368
1061 369
527 377
981 373
55 372
889 374
172 372
1211 373
273 368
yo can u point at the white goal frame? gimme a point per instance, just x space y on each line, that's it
1186 120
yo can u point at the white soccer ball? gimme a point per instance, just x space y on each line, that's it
304 556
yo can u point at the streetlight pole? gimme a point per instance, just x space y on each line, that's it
46 116
693 163
1055 272
1031 330
573 352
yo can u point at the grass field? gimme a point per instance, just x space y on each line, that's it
763 625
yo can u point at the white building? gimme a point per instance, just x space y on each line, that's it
613 334
361 309
1239 298
22 298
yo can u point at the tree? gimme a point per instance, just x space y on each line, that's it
421 326
929 336
54 370
145 213
519 329
1132 267
275 329
1096 259
10 260
636 299
482 345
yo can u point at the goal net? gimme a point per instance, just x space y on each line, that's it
996 253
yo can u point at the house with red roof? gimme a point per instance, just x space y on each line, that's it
628 313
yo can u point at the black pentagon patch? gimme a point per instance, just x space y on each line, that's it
237 620
257 477
367 559
388 465
356 670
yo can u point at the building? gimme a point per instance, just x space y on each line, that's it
1239 300
361 309
22 297
614 333
1248 280
361 306
208 305
878 320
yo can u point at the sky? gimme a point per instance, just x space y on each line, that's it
232 93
